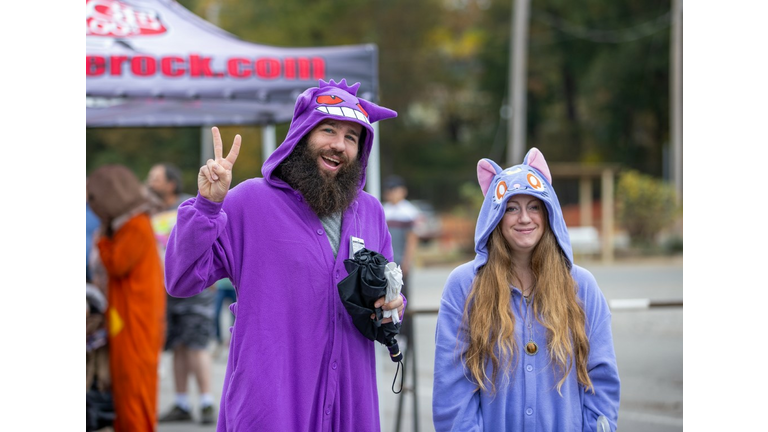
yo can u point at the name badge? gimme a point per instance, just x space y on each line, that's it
355 244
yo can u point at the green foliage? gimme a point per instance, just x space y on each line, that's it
140 148
472 200
645 206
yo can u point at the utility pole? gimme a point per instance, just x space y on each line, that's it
518 56
676 97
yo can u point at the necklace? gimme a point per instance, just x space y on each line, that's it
530 348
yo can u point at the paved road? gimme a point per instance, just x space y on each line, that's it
648 342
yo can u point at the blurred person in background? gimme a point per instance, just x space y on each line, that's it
401 218
190 320
523 338
225 295
135 307
91 228
296 362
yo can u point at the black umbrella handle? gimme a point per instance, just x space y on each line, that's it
394 352
397 356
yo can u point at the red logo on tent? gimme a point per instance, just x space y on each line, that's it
114 18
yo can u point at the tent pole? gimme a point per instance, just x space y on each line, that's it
206 144
268 142
373 172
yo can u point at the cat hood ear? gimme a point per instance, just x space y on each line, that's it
486 171
533 178
328 101
535 158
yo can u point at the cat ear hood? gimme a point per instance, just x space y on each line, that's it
329 100
533 178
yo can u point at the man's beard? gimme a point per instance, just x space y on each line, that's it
325 194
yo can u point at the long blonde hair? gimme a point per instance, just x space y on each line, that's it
489 323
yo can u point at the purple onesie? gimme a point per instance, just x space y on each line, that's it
296 361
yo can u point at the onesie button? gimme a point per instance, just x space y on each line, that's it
328 411
319 231
529 368
334 366
529 411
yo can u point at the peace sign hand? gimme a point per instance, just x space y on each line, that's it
215 176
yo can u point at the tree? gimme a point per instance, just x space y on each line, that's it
646 205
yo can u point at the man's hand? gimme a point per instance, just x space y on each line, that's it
394 304
215 176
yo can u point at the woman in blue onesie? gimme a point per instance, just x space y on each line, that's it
523 340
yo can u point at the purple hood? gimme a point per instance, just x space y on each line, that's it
327 100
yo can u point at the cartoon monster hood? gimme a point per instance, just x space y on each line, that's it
532 177
329 100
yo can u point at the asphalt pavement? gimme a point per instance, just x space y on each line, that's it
646 298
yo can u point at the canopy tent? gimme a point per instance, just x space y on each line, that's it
152 63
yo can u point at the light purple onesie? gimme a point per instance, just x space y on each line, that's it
528 400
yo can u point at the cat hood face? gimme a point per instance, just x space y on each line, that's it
329 100
533 178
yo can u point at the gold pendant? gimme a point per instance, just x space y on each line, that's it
531 348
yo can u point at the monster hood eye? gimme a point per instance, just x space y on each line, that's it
329 100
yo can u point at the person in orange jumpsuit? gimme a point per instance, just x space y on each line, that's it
136 294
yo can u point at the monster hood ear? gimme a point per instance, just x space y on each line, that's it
535 159
303 101
375 112
486 171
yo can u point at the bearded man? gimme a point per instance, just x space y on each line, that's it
296 360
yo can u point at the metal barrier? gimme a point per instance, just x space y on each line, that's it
642 303
409 362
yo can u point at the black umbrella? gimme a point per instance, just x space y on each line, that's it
365 284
